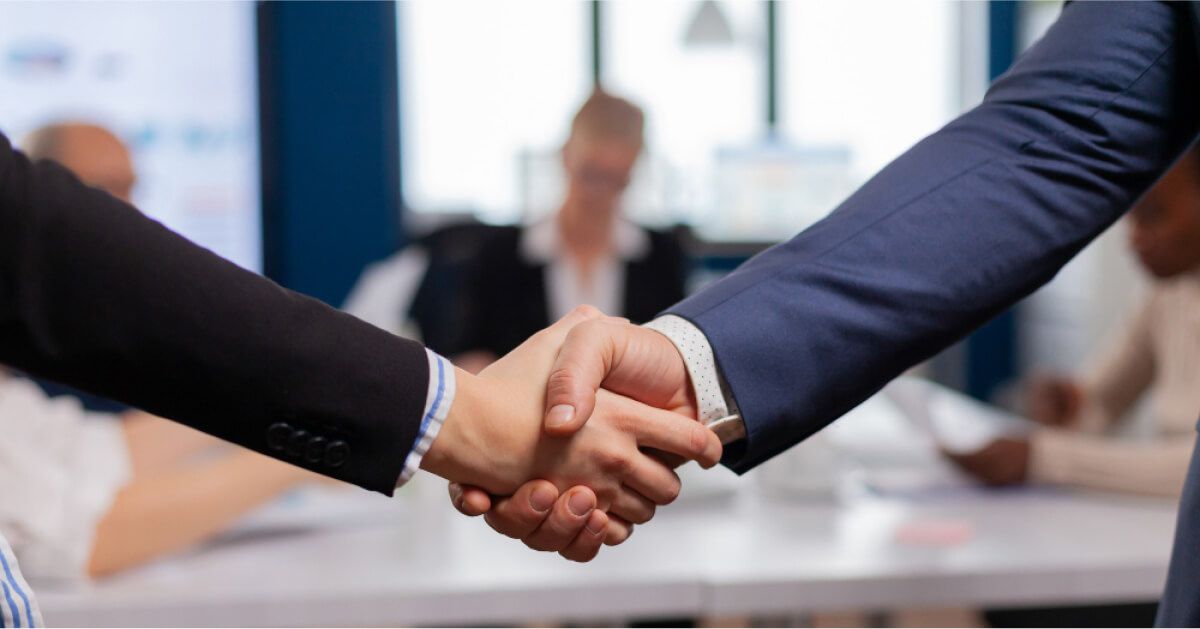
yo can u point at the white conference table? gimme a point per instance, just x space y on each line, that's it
735 548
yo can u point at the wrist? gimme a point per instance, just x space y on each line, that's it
483 442
446 454
474 438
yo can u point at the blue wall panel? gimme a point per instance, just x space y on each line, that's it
991 352
330 143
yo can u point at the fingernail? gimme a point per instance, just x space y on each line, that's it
595 524
541 499
580 503
560 415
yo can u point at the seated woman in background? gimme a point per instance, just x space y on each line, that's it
1158 353
585 253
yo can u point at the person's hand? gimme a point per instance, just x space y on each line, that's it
1004 461
492 437
544 519
1054 401
624 358
628 359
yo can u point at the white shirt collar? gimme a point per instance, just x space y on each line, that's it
541 241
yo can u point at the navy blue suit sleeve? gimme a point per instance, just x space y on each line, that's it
963 225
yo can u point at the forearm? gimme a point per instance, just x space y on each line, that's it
156 444
168 512
1124 372
1156 467
957 229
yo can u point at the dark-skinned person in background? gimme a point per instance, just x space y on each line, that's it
1156 354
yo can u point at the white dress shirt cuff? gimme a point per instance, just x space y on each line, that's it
716 407
438 399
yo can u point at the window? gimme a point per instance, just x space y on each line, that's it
698 70
487 93
859 85
482 123
175 80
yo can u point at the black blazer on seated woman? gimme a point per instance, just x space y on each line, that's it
520 283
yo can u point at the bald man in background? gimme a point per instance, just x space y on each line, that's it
96 155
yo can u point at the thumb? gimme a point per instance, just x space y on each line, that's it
582 364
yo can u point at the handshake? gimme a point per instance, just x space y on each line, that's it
572 438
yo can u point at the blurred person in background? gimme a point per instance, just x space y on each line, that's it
1158 353
97 495
96 155
585 253
418 293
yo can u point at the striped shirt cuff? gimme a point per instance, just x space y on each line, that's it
18 606
438 400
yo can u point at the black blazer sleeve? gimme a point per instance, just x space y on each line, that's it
96 295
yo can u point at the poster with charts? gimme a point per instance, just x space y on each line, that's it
176 81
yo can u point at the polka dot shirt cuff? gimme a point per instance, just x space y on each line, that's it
715 406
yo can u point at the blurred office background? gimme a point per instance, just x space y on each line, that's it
760 118
309 140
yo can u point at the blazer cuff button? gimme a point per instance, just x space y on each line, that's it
278 435
336 454
315 450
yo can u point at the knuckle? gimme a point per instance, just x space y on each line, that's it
587 310
560 380
590 326
607 496
615 463
525 520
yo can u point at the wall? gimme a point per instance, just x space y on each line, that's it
330 144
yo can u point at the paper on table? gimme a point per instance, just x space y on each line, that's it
956 422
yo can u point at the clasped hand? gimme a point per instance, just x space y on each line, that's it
611 455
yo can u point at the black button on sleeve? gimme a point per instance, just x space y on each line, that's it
336 454
297 442
278 435
315 450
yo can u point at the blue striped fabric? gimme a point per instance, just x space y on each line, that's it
437 398
13 582
10 614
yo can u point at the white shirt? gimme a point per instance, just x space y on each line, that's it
541 243
60 470
384 292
